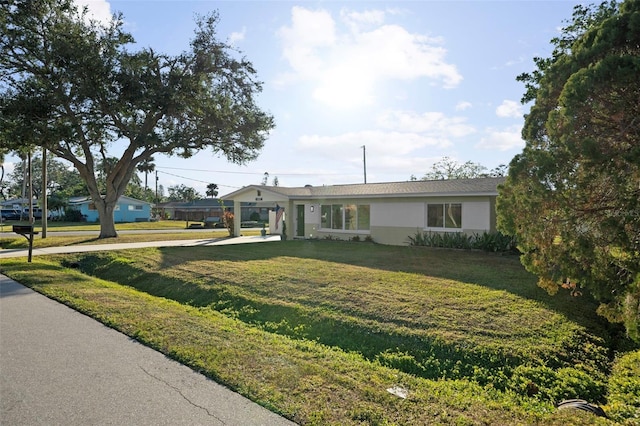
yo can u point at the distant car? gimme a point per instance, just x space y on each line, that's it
10 214
37 213
213 222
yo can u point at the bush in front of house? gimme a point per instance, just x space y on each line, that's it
73 215
227 219
488 241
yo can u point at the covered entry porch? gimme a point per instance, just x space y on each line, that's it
258 197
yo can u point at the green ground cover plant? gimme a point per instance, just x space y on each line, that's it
624 389
487 241
317 331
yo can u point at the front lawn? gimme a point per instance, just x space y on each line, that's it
55 226
319 330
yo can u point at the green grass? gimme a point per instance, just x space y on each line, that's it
15 241
84 226
19 242
317 331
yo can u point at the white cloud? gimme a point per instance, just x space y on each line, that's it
513 62
356 21
399 136
509 109
346 65
463 105
387 144
100 10
237 36
502 140
432 123
309 31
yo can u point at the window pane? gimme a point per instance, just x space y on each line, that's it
435 215
363 217
325 216
453 218
336 216
350 217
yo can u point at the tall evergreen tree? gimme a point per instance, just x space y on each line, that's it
572 197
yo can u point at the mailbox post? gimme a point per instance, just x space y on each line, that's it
27 232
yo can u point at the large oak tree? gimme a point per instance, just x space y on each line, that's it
75 87
572 197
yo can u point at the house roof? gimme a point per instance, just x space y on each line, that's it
202 203
15 201
87 199
418 188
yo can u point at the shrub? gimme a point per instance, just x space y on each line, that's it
227 219
494 241
73 215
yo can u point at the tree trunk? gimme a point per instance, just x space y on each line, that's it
107 224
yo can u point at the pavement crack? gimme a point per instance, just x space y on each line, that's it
175 388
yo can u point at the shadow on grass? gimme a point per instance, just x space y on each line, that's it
422 356
397 347
497 271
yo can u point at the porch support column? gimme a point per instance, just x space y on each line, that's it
237 218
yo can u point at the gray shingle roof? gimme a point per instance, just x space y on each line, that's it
479 186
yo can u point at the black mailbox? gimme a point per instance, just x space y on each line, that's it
27 232
24 229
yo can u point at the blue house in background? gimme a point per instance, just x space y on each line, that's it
127 209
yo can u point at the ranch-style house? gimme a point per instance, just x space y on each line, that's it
387 213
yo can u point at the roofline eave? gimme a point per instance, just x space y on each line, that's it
412 195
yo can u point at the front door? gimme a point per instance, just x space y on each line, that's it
300 221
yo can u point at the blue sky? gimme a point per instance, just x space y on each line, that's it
413 81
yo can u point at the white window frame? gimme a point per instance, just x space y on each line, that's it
442 228
344 209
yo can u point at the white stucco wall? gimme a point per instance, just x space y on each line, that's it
402 214
476 215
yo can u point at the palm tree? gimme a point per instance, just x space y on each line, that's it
212 190
146 167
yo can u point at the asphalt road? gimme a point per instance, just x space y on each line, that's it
59 367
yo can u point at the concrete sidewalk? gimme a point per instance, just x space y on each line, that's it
59 367
121 246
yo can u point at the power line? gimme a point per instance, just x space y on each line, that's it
250 173
197 180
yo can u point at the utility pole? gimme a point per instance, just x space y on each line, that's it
30 179
156 188
44 204
364 161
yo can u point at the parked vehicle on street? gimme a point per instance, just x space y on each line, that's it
10 214
37 213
